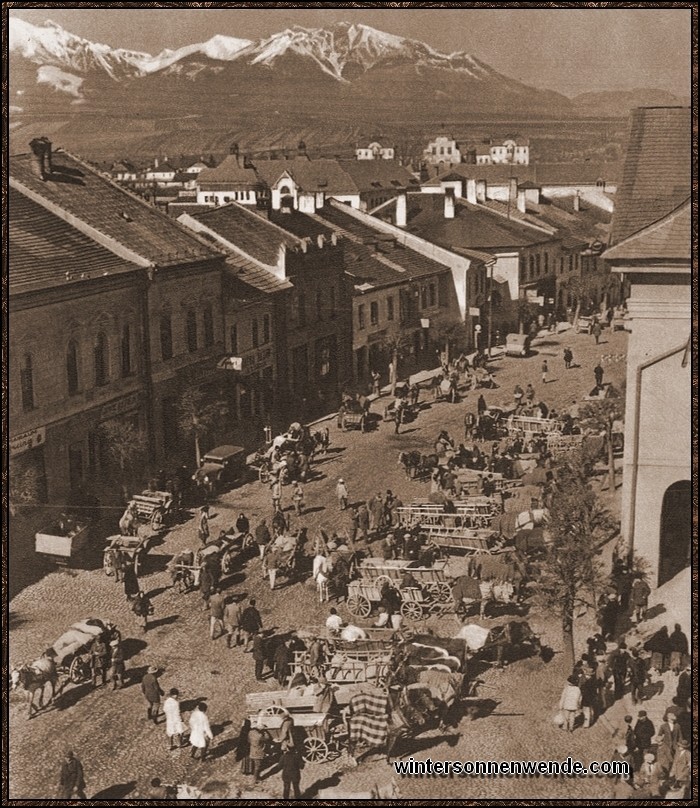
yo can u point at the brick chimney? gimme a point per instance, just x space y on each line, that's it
577 201
41 157
522 207
471 191
512 191
301 149
449 203
401 209
481 190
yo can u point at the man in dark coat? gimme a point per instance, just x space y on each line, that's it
251 623
282 659
71 779
152 691
678 643
643 731
206 584
99 655
291 773
131 582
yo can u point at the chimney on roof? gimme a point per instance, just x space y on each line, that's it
577 201
155 163
320 240
307 202
522 207
449 203
512 191
247 162
301 149
401 209
481 190
233 149
471 191
41 157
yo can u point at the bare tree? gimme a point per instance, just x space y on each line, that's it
24 486
198 416
447 330
601 416
570 574
394 343
126 444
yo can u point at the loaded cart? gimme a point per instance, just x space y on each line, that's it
62 541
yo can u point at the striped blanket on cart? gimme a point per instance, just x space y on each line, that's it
368 724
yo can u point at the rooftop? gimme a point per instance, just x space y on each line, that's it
45 251
668 239
376 175
539 174
250 274
321 175
77 189
230 171
656 177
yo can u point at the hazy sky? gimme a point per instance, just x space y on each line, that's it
571 51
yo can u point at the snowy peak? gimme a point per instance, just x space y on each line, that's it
344 51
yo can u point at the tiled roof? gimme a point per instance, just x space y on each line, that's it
377 175
495 173
230 171
588 225
473 228
44 248
79 190
253 234
539 173
176 208
321 175
254 275
299 224
668 239
368 246
657 172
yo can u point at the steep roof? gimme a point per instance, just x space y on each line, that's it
473 227
253 234
251 274
376 175
657 173
77 189
230 171
323 175
46 251
668 239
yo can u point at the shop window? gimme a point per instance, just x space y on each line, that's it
101 360
72 368
26 375
191 330
166 337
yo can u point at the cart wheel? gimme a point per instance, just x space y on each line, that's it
412 610
431 592
359 606
274 709
315 750
380 580
444 594
75 672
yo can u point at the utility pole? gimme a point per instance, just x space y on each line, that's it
490 307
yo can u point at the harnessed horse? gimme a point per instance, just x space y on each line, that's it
129 521
35 677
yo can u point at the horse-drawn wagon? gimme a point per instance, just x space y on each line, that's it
133 550
62 541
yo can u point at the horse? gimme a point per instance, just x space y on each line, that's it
35 677
128 522
410 461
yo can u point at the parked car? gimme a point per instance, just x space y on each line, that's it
224 464
517 345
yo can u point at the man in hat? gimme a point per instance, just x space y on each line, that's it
174 728
570 702
98 660
251 622
152 691
629 736
217 604
643 731
117 670
341 491
71 778
679 776
648 777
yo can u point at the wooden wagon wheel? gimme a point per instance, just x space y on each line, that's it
431 591
380 580
412 610
359 606
315 750
76 670
444 592
274 709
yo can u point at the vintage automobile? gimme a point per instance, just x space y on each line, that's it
64 540
517 345
224 464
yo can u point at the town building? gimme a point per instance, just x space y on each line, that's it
311 323
375 151
442 153
116 312
652 247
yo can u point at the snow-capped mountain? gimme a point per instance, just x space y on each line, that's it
343 51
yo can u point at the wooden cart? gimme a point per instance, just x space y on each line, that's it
460 539
63 541
154 508
134 549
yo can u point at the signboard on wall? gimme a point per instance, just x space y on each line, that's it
27 440
474 311
230 363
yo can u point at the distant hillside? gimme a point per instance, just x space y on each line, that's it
619 103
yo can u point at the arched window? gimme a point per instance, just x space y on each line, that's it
285 190
72 368
191 330
126 351
101 359
26 375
